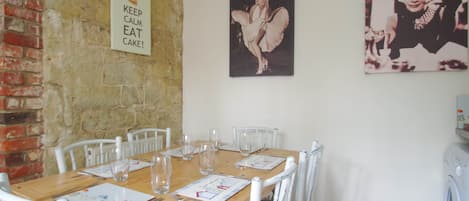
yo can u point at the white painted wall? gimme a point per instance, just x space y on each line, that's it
384 134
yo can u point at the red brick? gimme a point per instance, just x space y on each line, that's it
2 158
34 29
25 170
2 20
35 129
14 24
14 159
16 64
12 103
9 132
32 78
35 91
2 103
23 13
20 144
18 117
15 2
35 4
31 66
11 50
11 78
9 63
33 53
22 40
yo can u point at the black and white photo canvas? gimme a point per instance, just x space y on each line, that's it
261 37
415 35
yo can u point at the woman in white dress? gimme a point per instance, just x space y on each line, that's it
262 29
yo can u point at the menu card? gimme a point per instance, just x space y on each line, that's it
105 170
262 162
213 188
106 192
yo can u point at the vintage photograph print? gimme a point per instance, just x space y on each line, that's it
415 35
261 37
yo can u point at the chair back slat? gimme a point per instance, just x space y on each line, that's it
283 183
94 152
306 179
264 136
148 139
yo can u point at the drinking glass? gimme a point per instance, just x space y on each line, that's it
245 144
161 170
207 159
120 166
186 149
214 138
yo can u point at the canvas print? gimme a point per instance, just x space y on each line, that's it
415 35
261 37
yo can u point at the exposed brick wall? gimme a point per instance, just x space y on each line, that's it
21 87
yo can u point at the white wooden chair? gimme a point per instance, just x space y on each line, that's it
283 183
306 177
148 139
265 137
96 152
5 193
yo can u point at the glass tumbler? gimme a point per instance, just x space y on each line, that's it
120 166
214 138
245 144
207 159
161 170
186 149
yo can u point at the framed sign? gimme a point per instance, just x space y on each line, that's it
131 26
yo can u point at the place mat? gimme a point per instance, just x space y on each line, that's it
105 192
262 162
213 188
177 152
105 170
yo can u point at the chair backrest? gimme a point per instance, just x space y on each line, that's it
148 139
306 177
283 183
95 151
267 137
5 193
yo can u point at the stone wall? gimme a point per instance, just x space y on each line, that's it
92 91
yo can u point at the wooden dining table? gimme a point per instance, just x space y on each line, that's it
184 173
